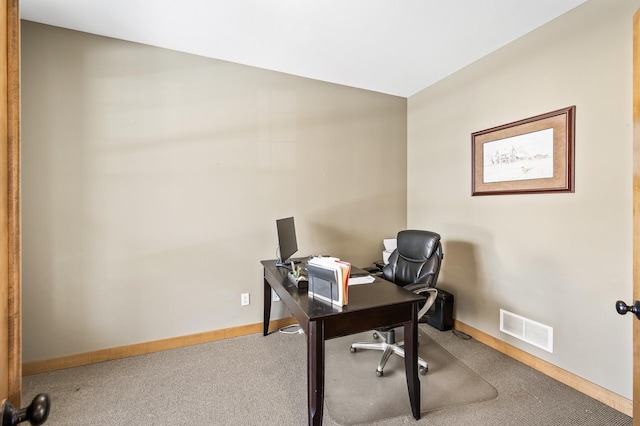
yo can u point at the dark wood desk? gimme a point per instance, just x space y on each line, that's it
378 304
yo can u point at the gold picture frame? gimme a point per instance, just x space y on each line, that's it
533 155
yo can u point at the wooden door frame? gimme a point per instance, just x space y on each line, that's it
10 244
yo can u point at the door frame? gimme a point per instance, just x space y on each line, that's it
10 226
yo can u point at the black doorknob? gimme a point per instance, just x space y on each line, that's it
36 413
623 308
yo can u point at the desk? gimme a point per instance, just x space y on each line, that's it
378 304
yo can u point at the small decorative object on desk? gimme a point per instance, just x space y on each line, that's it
328 280
298 279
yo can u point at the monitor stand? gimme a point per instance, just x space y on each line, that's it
289 263
283 265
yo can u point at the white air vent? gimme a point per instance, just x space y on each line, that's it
527 330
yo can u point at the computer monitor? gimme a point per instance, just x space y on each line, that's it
287 243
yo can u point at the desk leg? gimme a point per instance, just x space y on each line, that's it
411 362
267 307
315 371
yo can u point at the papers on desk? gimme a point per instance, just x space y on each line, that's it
328 278
390 244
361 280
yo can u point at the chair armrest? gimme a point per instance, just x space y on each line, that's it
417 287
423 290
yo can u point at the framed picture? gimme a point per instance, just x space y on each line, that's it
528 156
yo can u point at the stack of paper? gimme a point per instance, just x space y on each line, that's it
390 245
328 279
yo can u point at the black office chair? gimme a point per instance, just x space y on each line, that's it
414 265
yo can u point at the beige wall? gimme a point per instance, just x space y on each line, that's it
152 181
559 259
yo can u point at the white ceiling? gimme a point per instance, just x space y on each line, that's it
398 47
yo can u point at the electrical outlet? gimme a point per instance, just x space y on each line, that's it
244 299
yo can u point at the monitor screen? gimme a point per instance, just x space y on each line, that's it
287 243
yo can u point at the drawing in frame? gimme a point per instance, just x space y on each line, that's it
528 156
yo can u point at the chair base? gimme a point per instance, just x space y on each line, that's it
388 346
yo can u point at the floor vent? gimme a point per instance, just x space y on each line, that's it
527 330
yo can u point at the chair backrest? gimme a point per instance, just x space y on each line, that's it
416 260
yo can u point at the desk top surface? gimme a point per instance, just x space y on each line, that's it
373 295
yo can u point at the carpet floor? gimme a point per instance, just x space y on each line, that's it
256 380
355 395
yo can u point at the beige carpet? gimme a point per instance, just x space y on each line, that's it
255 380
355 395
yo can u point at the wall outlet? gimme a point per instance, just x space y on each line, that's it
244 299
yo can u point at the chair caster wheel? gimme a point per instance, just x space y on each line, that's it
423 370
353 350
379 373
